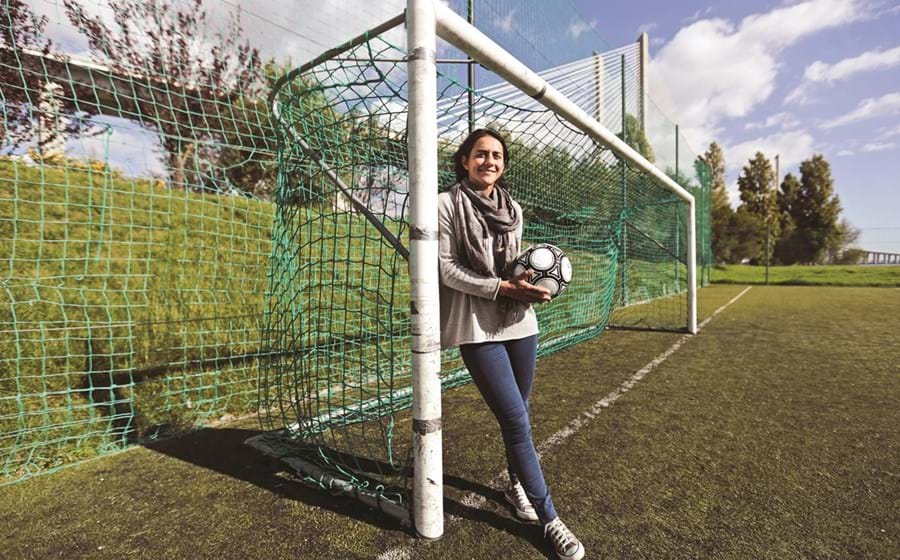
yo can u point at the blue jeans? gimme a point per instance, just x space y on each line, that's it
504 373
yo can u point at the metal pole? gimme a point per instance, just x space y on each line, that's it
428 510
644 42
769 218
624 251
677 216
471 73
598 87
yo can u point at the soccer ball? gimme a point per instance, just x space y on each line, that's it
551 268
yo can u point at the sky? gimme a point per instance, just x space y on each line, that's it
787 77
781 77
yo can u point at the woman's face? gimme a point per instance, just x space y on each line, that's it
485 162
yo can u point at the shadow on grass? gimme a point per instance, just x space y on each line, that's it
224 451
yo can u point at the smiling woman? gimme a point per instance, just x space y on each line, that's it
487 312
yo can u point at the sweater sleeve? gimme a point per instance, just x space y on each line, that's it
453 273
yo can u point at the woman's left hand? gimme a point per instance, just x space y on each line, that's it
519 289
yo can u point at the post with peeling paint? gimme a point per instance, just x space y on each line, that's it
428 510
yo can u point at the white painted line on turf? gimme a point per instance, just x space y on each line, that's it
476 501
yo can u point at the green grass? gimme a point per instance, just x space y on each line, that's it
771 434
131 311
824 275
125 306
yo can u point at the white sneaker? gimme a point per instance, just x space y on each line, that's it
567 546
516 496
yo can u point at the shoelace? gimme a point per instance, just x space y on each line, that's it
561 536
521 498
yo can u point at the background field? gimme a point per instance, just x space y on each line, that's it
771 434
823 275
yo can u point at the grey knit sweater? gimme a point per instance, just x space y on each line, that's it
470 311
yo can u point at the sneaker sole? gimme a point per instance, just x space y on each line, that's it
519 514
579 554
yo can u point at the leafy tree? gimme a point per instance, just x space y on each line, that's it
758 197
748 237
722 213
839 248
818 209
28 97
790 247
200 79
636 138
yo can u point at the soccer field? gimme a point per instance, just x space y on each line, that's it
770 434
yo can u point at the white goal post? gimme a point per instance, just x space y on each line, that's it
425 20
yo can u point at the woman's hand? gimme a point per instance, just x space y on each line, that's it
519 289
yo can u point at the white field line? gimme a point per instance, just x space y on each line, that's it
475 500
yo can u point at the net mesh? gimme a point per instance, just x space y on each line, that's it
337 373
138 201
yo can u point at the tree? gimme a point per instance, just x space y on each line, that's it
758 198
722 213
19 29
839 248
198 77
748 236
790 247
636 138
29 99
817 209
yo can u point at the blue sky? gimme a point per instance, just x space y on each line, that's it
788 78
784 77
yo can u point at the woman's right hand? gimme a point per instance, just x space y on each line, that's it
519 289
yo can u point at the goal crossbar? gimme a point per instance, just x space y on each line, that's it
462 35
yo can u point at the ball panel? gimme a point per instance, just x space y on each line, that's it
542 258
549 283
550 267
565 269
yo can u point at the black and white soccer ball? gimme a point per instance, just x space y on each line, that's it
551 268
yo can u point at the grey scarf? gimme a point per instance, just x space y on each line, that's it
476 218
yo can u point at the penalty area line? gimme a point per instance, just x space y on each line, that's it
476 501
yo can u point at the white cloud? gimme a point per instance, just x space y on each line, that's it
879 146
297 29
698 14
125 145
792 148
885 105
888 132
577 28
506 23
784 120
844 153
714 69
821 72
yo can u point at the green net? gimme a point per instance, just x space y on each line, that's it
152 268
337 369
130 305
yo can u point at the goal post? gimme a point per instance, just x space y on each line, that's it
428 511
425 18
459 33
365 134
422 14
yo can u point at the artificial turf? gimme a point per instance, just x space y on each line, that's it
771 434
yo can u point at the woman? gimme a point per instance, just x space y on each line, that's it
488 315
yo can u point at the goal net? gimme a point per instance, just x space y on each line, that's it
337 380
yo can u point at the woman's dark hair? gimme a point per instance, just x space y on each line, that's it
466 148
